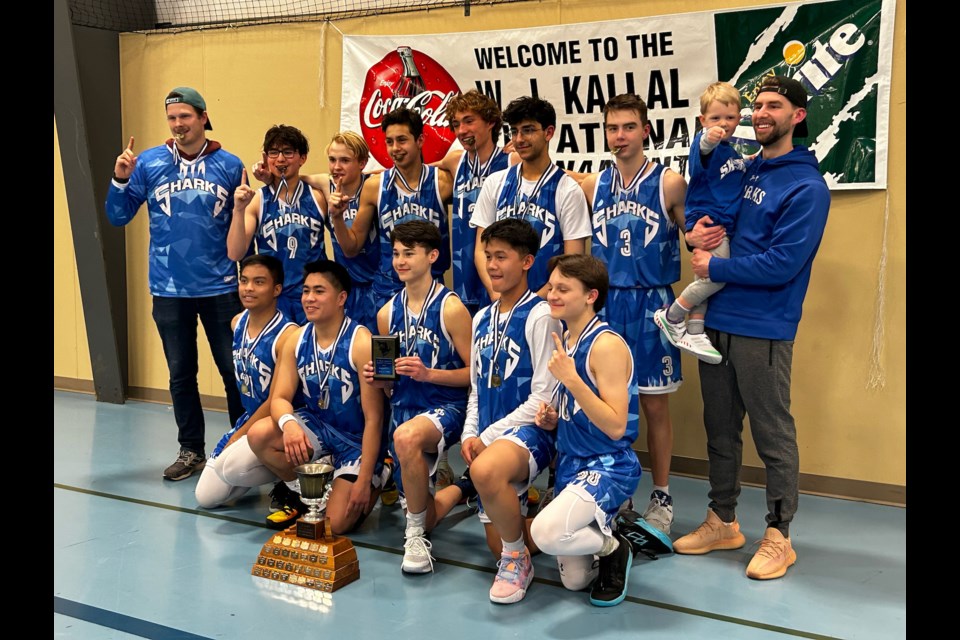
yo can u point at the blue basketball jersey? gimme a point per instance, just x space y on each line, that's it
394 208
363 266
426 336
190 204
466 190
503 355
540 211
716 187
329 377
632 232
576 434
254 359
292 232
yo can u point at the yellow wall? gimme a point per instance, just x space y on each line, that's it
71 356
255 77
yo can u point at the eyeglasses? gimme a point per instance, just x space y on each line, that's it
287 153
524 131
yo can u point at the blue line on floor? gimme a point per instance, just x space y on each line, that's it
120 622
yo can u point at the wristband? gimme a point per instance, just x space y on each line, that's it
120 180
287 417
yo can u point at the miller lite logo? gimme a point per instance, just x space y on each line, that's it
412 79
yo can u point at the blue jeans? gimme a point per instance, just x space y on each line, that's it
176 320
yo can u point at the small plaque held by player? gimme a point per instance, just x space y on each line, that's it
385 350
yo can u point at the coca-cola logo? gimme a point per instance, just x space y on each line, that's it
412 79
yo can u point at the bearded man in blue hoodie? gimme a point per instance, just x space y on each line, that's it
753 322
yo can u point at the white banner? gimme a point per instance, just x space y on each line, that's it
667 60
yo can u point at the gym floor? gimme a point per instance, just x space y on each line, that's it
135 557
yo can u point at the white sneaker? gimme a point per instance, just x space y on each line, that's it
416 552
659 512
673 332
699 345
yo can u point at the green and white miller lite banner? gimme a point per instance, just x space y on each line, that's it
841 51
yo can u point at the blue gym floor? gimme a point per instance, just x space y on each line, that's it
135 557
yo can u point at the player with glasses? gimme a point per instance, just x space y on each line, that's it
286 216
536 190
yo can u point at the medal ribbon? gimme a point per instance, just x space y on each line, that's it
411 191
333 349
247 345
544 177
416 325
498 335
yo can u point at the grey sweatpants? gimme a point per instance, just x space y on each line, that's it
697 292
754 380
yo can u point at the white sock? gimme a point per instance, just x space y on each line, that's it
517 545
417 521
293 485
665 488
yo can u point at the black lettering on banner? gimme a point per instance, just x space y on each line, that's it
610 48
650 45
657 91
492 91
568 141
679 133
539 54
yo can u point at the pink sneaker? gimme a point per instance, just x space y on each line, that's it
514 574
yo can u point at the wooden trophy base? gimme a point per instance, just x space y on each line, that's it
325 563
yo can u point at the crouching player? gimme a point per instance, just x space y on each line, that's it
595 411
343 415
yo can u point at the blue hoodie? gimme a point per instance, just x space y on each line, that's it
778 231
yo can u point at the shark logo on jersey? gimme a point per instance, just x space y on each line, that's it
532 210
484 350
243 372
164 192
732 164
389 219
311 370
651 220
422 334
291 218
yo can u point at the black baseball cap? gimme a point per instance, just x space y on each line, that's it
794 92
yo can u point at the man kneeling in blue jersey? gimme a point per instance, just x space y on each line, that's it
342 416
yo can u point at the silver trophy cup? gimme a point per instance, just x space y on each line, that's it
314 479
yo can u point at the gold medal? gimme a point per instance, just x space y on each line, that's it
495 380
244 389
324 399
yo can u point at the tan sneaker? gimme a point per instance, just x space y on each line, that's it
712 535
773 557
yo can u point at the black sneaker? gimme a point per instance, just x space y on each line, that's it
289 512
466 487
610 587
643 537
279 496
187 463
